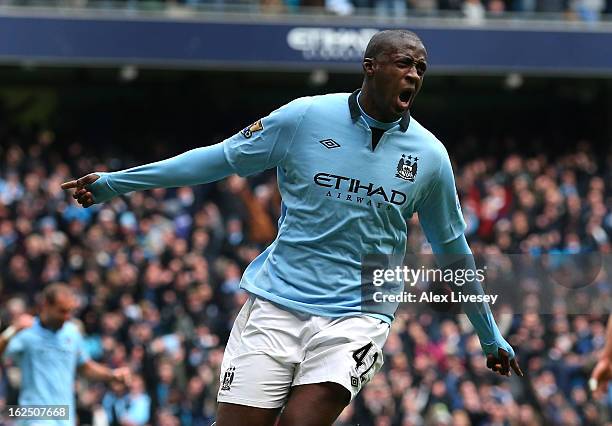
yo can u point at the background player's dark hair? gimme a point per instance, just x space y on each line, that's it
51 292
385 40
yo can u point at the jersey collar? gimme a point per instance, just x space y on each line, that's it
39 325
356 113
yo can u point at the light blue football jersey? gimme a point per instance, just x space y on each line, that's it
48 362
341 198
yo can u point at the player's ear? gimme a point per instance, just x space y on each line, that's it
368 66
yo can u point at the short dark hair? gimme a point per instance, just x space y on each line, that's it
382 41
51 292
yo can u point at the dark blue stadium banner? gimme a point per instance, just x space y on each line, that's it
210 42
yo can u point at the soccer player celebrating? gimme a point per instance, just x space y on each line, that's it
49 350
352 168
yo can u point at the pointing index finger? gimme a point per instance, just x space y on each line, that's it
515 366
505 362
87 180
70 184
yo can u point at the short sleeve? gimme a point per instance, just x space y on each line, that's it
265 143
82 354
16 346
440 212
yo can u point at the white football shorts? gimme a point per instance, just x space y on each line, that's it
271 349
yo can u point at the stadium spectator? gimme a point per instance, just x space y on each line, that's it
131 408
474 12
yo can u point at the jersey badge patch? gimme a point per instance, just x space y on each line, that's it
407 168
247 132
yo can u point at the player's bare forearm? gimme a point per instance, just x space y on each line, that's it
3 344
98 372
95 371
22 322
6 337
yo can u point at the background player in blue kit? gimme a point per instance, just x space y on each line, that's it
303 340
49 350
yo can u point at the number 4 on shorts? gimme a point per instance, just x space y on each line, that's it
359 355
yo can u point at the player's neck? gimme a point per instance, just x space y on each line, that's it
372 122
44 322
366 101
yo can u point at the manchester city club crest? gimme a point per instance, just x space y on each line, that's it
407 168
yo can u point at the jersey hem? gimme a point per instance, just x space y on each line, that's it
299 307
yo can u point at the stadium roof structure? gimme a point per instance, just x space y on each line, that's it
228 40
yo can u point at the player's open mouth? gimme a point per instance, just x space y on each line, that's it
405 97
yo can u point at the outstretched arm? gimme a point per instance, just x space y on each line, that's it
198 166
98 372
456 254
260 146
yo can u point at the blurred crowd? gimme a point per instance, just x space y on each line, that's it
157 276
473 11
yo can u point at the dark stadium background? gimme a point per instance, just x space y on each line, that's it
89 115
178 109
